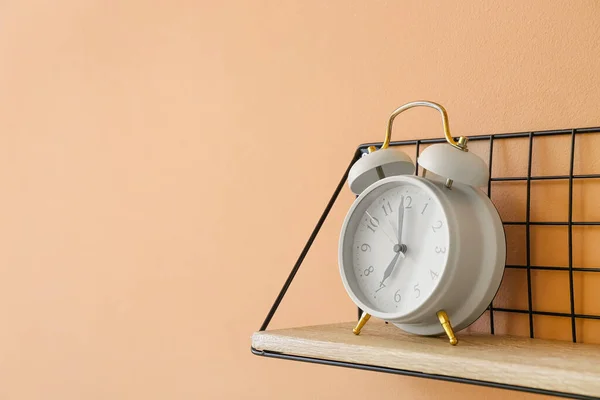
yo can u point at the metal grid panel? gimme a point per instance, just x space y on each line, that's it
571 177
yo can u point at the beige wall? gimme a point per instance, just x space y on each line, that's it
162 164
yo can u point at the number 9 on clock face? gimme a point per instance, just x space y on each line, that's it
395 248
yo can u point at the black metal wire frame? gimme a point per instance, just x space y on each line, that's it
571 177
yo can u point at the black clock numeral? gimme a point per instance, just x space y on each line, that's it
437 226
417 291
365 247
434 275
440 250
409 201
424 208
368 271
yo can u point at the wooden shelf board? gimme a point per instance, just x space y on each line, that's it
542 364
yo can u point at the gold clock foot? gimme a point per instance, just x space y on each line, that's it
445 321
363 320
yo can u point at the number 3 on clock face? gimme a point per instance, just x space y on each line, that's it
394 248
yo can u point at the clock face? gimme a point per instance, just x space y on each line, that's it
396 247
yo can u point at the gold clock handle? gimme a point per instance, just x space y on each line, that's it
461 144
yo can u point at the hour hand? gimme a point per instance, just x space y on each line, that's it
390 268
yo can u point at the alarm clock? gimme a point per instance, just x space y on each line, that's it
424 253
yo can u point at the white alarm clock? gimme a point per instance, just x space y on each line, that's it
424 253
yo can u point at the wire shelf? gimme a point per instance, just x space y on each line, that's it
527 223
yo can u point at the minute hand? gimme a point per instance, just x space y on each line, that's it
400 220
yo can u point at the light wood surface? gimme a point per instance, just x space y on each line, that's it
543 364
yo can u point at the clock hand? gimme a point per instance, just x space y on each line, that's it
388 236
400 219
390 268
393 228
383 230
